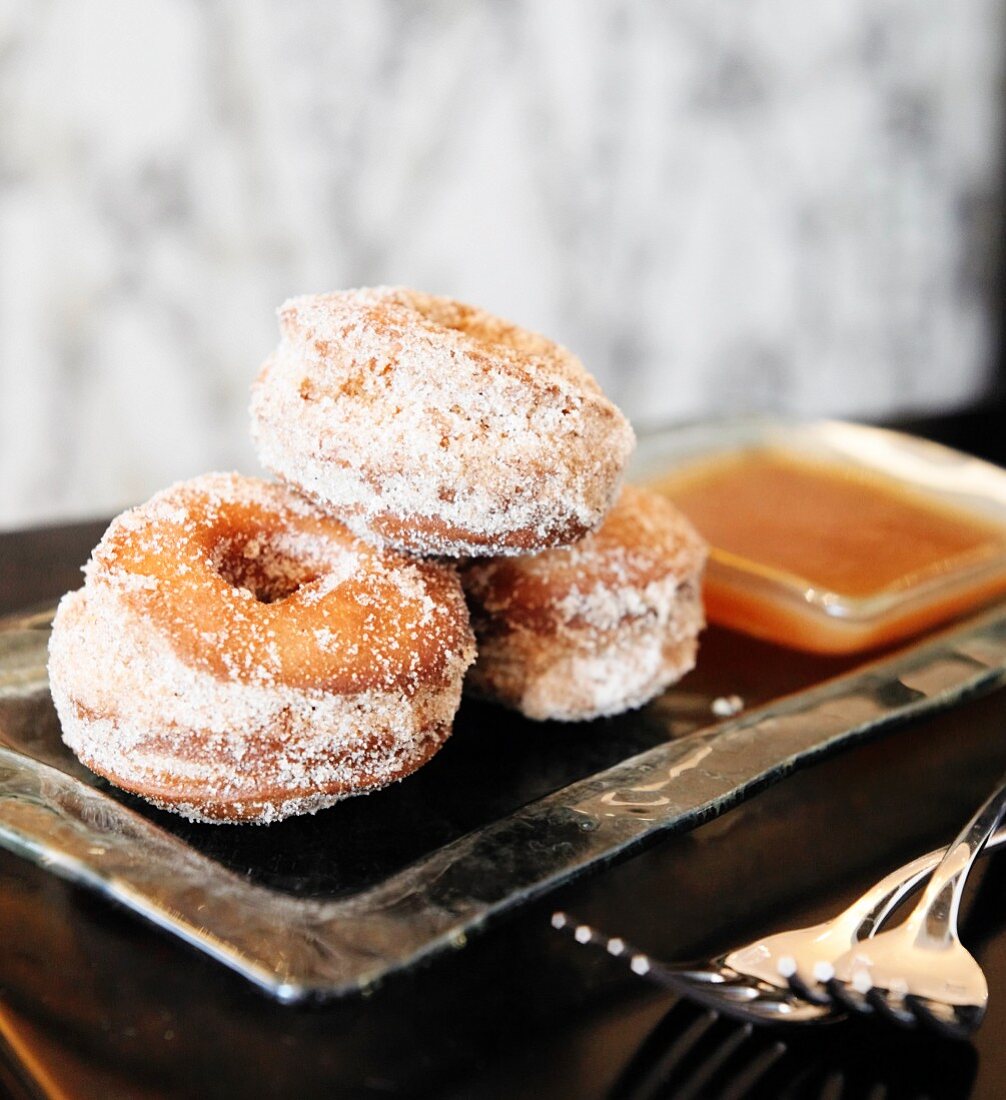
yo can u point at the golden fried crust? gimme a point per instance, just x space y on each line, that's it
594 628
419 534
257 802
234 655
387 622
436 427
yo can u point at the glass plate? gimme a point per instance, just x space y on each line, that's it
324 906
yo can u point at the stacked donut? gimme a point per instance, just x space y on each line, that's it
244 650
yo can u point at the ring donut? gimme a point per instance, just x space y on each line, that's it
435 427
235 655
592 629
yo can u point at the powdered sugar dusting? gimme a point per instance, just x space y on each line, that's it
596 628
437 427
272 673
236 572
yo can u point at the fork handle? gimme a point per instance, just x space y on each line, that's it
934 918
879 902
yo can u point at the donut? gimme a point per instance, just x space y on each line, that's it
435 427
237 656
592 629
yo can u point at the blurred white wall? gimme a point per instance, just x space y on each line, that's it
719 204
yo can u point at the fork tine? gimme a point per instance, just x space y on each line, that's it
748 1076
704 986
808 993
695 1085
969 1019
731 1001
892 1007
637 961
639 1075
660 1056
848 997
938 1018
798 1086
688 1060
833 1085
954 1023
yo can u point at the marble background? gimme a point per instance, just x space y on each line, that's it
719 204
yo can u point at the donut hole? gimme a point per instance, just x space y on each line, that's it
269 572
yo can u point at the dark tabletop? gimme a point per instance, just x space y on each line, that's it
94 1003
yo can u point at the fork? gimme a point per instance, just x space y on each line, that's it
693 1053
712 984
920 971
777 978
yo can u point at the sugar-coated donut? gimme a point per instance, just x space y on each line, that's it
435 427
236 655
595 628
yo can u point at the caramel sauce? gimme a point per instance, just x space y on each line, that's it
828 527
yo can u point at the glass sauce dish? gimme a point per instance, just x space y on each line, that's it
833 537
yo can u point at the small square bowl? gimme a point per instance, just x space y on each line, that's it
783 605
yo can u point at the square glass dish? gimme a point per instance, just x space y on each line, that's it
323 906
833 537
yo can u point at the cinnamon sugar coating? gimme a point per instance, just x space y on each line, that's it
595 628
436 427
235 655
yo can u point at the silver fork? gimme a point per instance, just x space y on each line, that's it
920 971
777 978
712 985
694 1053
